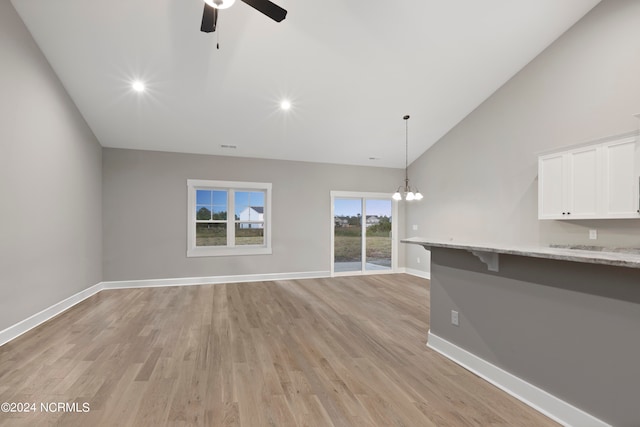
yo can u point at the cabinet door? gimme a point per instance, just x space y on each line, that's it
551 186
583 180
621 179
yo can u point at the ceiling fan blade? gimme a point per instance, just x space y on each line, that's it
272 10
209 19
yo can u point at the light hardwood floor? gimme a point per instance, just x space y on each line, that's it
328 352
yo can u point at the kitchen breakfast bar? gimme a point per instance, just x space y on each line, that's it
557 327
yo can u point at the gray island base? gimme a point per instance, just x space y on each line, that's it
558 328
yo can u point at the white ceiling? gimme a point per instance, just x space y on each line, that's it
352 69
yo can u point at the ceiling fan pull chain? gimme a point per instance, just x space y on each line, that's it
218 39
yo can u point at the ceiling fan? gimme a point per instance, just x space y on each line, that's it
211 7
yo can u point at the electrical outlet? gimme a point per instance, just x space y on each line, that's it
593 234
455 320
415 227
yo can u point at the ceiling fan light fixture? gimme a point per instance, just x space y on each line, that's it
212 7
220 4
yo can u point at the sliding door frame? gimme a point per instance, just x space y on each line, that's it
363 196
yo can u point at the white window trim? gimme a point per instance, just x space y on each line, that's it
202 184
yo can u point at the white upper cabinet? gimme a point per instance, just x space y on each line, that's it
621 192
583 177
590 182
551 186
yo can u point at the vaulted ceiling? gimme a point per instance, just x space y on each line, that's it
351 70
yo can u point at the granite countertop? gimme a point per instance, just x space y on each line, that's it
622 257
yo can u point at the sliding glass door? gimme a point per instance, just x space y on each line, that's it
362 233
377 232
347 235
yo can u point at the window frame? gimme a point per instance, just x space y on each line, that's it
230 249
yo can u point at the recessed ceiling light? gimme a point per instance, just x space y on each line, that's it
138 86
285 104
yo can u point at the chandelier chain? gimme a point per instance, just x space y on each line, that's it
406 149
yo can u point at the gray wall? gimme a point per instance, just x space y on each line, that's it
50 183
480 180
569 328
145 212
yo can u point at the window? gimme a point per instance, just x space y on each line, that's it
228 218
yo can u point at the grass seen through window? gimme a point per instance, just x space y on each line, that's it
348 242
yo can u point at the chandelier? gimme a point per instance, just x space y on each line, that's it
406 192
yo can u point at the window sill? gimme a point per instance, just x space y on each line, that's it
210 252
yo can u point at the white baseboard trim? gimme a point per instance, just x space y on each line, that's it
418 273
190 281
544 402
14 331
